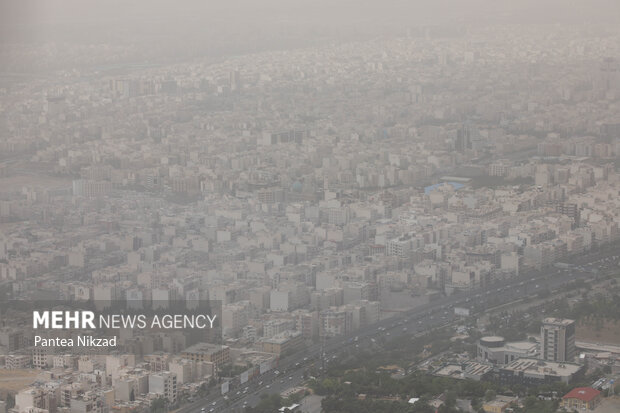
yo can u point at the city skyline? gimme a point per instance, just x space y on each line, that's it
384 207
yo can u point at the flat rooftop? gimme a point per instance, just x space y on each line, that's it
536 366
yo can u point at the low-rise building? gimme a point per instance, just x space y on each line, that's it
534 372
495 350
285 342
581 398
499 404
214 353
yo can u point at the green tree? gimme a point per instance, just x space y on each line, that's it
269 403
450 401
158 405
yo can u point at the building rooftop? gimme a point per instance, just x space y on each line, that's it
204 348
535 366
558 321
582 393
282 337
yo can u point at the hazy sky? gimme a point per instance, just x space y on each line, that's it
187 28
44 19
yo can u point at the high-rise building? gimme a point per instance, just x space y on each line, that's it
335 322
570 209
234 80
557 340
91 189
609 74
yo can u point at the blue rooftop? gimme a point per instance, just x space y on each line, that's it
455 185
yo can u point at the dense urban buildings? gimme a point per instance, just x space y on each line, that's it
327 194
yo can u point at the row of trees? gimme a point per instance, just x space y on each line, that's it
356 375
342 393
272 402
418 384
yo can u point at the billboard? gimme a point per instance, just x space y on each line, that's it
225 387
244 377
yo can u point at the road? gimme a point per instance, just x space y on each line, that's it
290 370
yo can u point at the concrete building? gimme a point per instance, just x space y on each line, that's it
214 353
534 372
164 384
496 350
307 322
280 300
335 322
557 340
277 326
283 343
